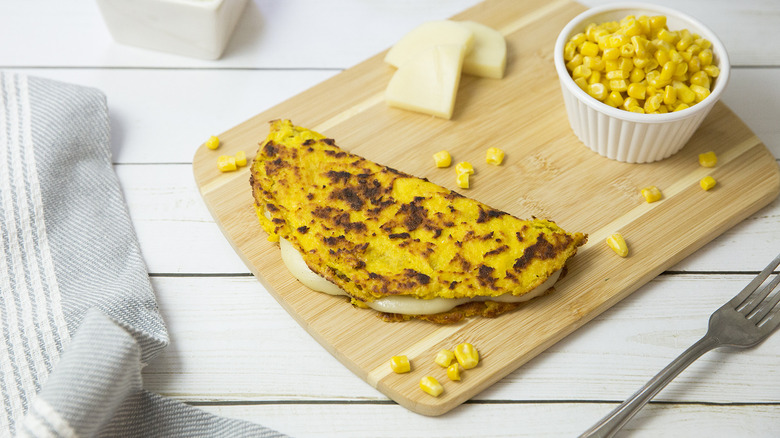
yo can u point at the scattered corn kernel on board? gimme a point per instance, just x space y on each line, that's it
547 173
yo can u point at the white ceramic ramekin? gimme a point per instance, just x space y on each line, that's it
626 136
194 28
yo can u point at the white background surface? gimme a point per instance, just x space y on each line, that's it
234 351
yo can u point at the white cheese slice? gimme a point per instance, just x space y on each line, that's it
487 58
428 82
427 35
404 305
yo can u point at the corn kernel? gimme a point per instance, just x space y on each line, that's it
578 39
712 70
618 85
630 102
463 180
657 22
616 75
668 36
637 91
681 107
707 182
618 244
701 79
213 142
589 48
442 159
595 77
577 61
708 159
614 99
637 75
432 386
226 163
581 71
240 158
668 70
464 167
700 92
444 357
653 103
651 194
467 355
453 371
598 91
400 364
670 95
611 54
496 156
705 56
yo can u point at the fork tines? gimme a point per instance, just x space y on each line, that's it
756 292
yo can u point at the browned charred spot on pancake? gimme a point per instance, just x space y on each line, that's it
329 141
541 250
278 221
452 195
360 264
414 214
510 276
485 271
303 229
334 240
458 259
419 277
453 283
498 250
270 149
272 167
271 207
310 196
487 236
399 236
490 213
343 220
308 142
350 196
338 176
324 212
436 230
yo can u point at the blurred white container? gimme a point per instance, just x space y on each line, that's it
195 28
623 135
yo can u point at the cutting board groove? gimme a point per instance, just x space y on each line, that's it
547 173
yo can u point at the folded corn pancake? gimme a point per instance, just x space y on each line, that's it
383 236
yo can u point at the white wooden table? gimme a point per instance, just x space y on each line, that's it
234 351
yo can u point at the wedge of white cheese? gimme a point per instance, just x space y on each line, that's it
487 58
404 305
428 82
431 58
427 35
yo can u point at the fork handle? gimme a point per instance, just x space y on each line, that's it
610 424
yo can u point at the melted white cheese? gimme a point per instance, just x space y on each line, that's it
404 305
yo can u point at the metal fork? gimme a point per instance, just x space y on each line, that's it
747 319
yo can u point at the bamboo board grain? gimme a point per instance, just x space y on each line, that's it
547 173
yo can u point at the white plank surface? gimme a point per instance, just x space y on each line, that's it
235 352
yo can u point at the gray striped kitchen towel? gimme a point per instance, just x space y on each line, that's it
78 317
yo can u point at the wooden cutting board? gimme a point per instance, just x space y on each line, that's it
547 173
